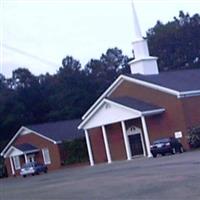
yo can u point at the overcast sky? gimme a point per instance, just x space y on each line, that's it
38 34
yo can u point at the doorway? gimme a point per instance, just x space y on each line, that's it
136 141
31 158
135 144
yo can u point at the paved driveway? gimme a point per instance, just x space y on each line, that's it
170 177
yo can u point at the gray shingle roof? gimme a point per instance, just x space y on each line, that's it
59 131
183 80
26 147
134 103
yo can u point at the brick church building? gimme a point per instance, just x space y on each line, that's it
140 107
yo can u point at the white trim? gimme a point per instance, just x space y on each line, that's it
189 94
137 112
12 166
151 85
118 81
16 161
141 59
46 156
14 137
32 151
7 154
99 106
123 106
178 94
89 116
112 87
121 78
152 112
89 148
105 139
143 145
26 159
146 136
18 133
42 136
126 141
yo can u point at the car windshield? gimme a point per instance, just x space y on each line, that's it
164 140
28 165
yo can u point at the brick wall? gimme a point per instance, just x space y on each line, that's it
97 143
173 119
116 141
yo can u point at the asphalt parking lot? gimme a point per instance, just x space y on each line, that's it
169 177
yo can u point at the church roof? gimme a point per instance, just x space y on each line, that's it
59 131
183 80
135 104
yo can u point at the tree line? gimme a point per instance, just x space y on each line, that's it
67 94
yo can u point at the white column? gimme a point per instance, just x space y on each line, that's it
89 148
126 141
12 166
146 136
26 159
143 145
106 144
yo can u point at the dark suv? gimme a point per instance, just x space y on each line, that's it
166 145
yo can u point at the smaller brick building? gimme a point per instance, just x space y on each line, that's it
42 143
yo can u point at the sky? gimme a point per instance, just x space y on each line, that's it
38 34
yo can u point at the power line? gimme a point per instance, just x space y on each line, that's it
19 51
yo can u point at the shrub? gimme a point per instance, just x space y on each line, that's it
76 151
194 137
3 171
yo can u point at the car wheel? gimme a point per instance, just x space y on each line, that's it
33 174
163 154
24 176
173 151
181 150
154 155
45 171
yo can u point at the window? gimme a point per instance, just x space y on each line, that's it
30 158
46 156
16 162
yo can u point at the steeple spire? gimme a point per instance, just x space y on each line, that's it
137 30
143 62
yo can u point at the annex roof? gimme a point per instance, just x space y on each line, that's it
55 132
59 131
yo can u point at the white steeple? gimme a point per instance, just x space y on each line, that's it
143 62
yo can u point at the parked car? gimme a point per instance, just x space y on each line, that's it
166 145
33 168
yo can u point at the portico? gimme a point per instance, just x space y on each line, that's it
128 115
19 155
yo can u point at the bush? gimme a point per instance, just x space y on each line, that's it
194 137
3 171
76 151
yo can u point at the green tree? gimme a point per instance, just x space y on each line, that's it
176 43
104 71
